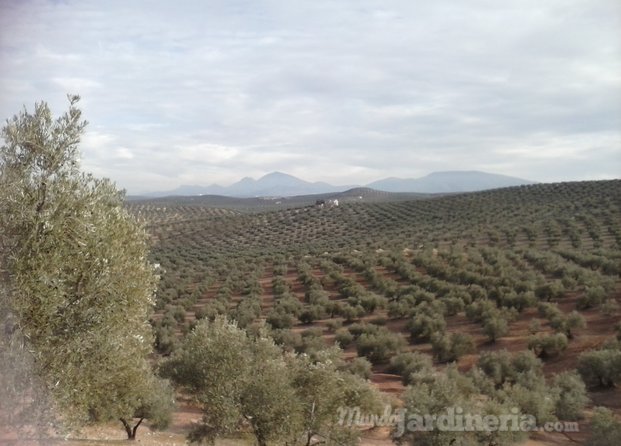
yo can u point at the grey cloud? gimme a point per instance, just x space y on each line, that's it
340 91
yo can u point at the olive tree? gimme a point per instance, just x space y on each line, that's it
442 393
572 396
450 347
213 364
548 345
80 289
600 368
605 428
238 379
409 363
495 327
268 399
322 389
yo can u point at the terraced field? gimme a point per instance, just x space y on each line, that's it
535 267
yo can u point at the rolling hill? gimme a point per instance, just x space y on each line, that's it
528 258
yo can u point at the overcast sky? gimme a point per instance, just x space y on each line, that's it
204 91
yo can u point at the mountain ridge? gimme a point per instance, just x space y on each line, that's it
449 182
279 184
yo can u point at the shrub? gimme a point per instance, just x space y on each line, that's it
279 318
379 321
210 310
165 339
407 364
333 324
399 309
423 326
287 339
600 368
179 313
360 367
454 304
497 366
438 393
605 429
247 311
369 301
573 322
280 286
379 347
593 297
567 324
451 347
316 296
526 362
359 328
534 326
495 327
289 304
549 310
477 292
518 379
311 313
479 309
533 396
511 299
572 396
350 313
168 320
550 290
548 346
609 307
344 337
312 341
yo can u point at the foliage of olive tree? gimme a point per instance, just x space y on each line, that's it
548 346
423 326
495 327
268 398
600 368
240 380
409 363
379 347
213 363
79 288
322 389
361 367
572 396
443 393
451 347
518 380
605 428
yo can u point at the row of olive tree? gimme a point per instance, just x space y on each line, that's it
244 380
500 383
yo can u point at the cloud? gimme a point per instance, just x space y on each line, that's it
206 153
341 91
124 153
76 84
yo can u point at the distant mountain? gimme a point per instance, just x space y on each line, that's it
275 184
187 190
278 184
447 182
